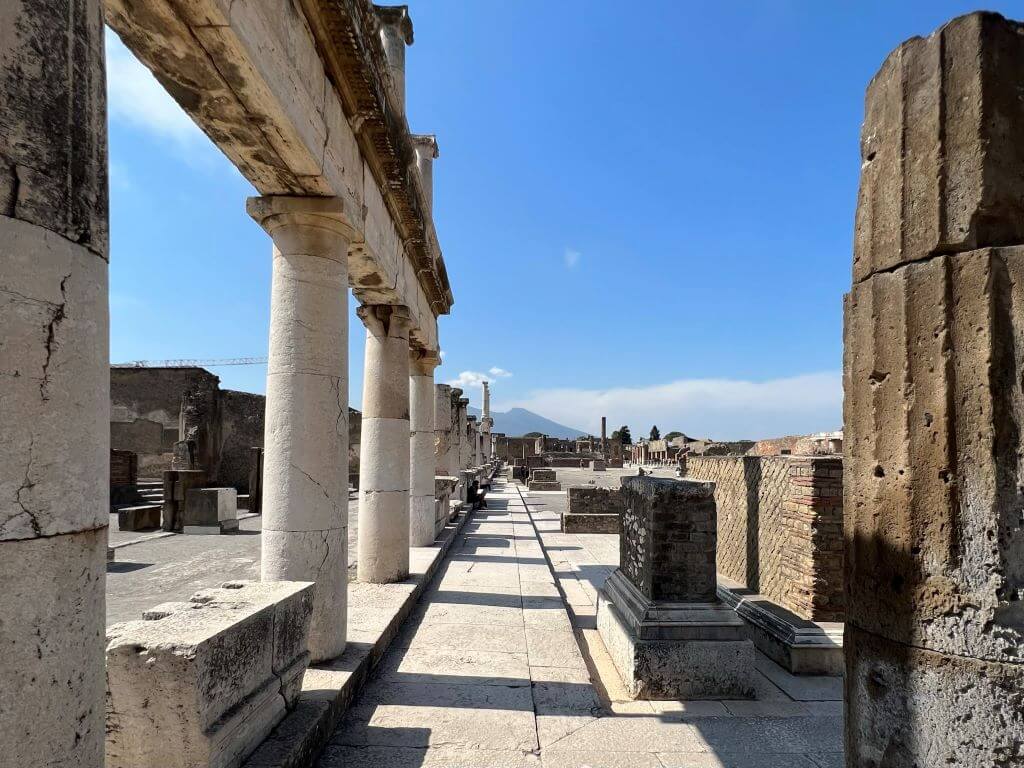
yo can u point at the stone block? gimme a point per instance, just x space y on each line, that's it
210 510
941 153
543 485
595 523
674 650
597 466
203 683
139 517
543 475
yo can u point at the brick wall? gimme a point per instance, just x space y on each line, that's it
124 469
587 500
780 527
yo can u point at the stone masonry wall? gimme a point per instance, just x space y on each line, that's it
595 501
780 527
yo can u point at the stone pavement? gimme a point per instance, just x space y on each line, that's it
161 567
488 672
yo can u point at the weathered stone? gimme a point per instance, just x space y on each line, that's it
658 613
305 493
544 485
211 507
940 146
593 510
139 517
203 683
422 498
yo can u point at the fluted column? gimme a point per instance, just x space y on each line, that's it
421 447
305 465
933 408
54 383
442 429
383 544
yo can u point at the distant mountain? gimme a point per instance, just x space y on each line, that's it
518 421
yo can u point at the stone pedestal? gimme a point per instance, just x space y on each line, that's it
442 429
210 510
55 385
933 363
383 545
422 513
658 614
305 488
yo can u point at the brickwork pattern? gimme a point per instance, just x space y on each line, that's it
780 528
124 467
668 540
595 501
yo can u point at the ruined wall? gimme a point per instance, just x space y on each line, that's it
152 408
780 527
145 410
241 429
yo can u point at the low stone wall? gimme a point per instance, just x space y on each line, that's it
593 510
780 528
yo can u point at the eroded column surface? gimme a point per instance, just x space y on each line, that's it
305 465
422 515
457 435
383 544
54 383
465 447
934 359
442 429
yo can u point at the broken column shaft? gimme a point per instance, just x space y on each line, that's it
934 346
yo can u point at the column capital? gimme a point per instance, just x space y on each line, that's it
314 226
385 319
456 393
422 362
425 145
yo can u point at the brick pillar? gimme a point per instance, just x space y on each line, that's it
934 358
812 546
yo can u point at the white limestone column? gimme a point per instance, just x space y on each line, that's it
54 384
383 544
421 447
305 475
442 429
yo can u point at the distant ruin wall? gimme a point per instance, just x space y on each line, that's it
241 415
780 521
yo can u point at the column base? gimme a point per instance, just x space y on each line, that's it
907 707
674 650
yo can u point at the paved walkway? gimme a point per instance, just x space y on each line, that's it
488 672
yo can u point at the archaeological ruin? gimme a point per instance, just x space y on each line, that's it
195 576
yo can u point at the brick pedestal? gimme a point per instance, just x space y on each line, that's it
658 614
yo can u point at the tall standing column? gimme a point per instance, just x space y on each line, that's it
383 544
487 423
422 515
465 449
305 464
934 413
442 429
457 437
54 383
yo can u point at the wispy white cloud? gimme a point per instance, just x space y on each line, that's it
468 379
572 257
724 409
135 98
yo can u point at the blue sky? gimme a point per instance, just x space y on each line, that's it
645 213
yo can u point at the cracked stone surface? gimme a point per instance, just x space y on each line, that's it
489 670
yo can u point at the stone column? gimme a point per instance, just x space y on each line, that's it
457 437
442 429
421 447
395 29
54 383
425 147
487 423
465 448
305 461
383 545
933 412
